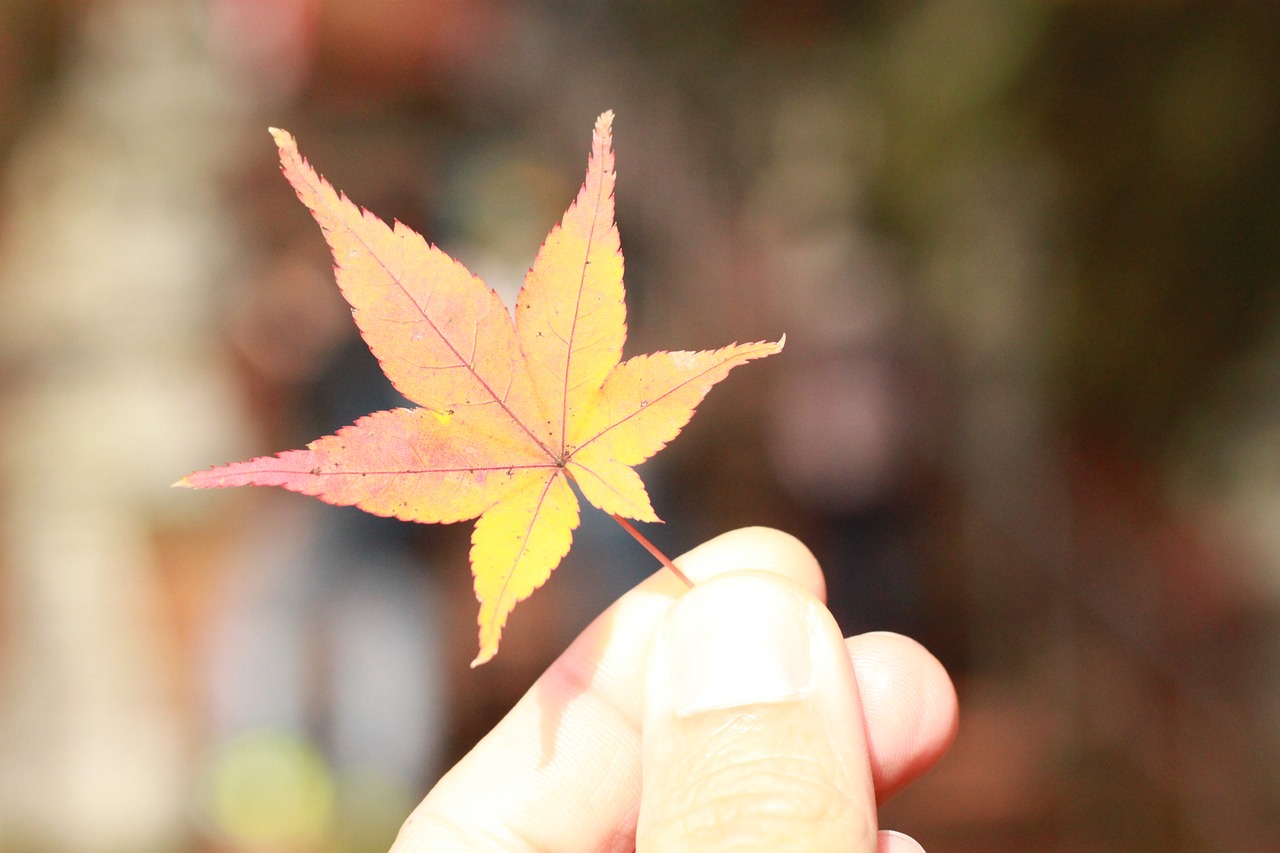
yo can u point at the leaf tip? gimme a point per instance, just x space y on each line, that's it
491 625
183 483
604 122
282 137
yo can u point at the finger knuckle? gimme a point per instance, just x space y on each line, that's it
765 804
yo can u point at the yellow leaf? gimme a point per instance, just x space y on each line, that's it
511 410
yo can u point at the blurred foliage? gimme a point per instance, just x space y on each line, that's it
1165 121
1025 254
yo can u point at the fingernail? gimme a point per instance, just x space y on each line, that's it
892 841
738 640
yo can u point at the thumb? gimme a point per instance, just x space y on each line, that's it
753 732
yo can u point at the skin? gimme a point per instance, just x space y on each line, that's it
738 720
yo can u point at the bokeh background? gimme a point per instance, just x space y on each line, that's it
1026 255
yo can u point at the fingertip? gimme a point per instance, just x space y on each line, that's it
753 738
938 693
755 548
910 706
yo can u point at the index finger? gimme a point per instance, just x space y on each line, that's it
562 770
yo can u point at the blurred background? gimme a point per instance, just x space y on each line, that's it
1026 256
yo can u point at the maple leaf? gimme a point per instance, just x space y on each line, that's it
510 410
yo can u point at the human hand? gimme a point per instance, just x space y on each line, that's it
723 717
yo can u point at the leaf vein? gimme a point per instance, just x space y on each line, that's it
577 307
399 283
528 534
651 401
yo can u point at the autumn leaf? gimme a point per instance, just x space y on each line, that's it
510 410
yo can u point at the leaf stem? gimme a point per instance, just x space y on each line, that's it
652 549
